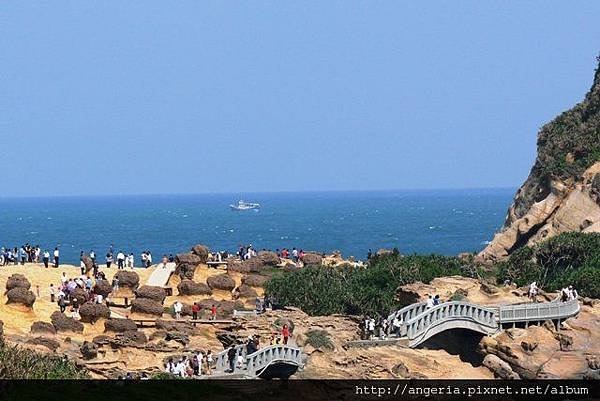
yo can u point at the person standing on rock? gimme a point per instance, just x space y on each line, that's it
52 292
62 304
120 260
165 260
109 260
93 256
130 260
177 307
46 258
56 257
285 333
195 310
213 312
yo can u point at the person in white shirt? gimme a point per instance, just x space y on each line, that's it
177 307
64 278
199 358
430 302
240 361
396 324
120 260
46 258
533 290
130 260
56 257
99 298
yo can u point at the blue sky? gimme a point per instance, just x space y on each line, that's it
185 97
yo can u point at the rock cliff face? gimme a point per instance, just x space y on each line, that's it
562 192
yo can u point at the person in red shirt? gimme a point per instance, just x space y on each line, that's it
285 333
213 312
195 310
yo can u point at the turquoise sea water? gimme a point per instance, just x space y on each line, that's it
444 221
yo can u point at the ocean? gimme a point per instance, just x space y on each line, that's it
441 221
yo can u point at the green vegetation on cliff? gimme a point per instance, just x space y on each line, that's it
20 363
569 258
570 143
321 290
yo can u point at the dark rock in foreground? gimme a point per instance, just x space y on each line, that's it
221 282
189 287
20 295
147 306
151 292
64 323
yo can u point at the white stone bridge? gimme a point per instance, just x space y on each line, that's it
420 323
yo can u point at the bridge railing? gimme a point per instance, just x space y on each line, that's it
405 314
259 359
275 353
455 310
538 311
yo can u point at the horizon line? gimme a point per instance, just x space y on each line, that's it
237 193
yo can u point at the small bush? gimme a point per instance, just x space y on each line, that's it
319 339
21 363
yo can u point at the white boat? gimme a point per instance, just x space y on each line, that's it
241 205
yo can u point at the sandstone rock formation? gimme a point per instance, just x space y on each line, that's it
90 312
17 281
20 295
186 264
312 259
128 279
201 251
189 287
42 328
221 282
151 292
64 323
103 288
255 280
562 192
119 325
147 306
245 291
89 350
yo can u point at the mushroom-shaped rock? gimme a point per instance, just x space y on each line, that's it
189 287
147 306
87 261
17 281
245 291
312 259
64 323
269 258
79 294
188 259
89 350
201 251
42 328
90 312
255 280
151 292
20 295
221 282
128 279
103 288
120 325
